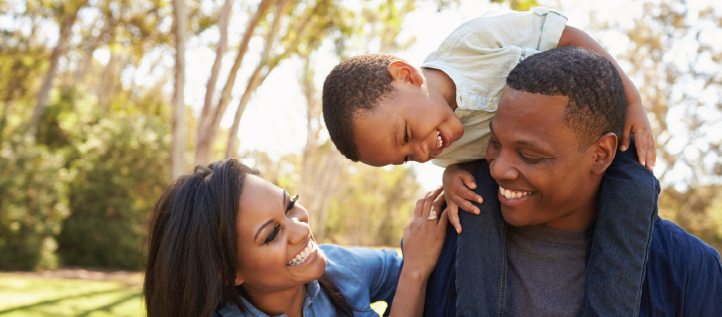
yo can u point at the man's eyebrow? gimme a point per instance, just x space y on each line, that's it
521 142
270 221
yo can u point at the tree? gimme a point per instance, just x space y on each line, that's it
178 147
68 13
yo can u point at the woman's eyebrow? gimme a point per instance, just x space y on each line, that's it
270 221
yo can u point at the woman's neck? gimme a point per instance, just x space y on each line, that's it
288 301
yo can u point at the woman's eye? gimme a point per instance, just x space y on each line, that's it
292 203
273 235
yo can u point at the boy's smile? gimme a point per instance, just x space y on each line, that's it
416 123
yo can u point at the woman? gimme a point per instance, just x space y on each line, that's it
225 242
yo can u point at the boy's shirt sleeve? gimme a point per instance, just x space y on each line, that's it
478 56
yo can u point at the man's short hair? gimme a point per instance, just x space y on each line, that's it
596 93
355 85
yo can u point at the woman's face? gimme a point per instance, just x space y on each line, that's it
276 249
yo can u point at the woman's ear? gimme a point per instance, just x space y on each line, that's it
403 72
604 151
239 279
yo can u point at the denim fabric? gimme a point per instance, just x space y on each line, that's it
440 294
616 268
362 275
627 211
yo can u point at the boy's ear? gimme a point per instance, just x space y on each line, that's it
604 151
403 72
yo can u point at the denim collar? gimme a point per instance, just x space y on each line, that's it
230 310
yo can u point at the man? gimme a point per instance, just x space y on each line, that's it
554 136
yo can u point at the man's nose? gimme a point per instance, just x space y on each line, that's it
502 167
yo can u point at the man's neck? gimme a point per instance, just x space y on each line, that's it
439 84
578 217
288 301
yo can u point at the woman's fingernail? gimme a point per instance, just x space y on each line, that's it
644 162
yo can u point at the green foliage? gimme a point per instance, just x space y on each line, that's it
33 204
373 206
121 169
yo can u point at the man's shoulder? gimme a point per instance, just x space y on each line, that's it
683 268
680 247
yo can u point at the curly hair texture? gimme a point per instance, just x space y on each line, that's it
356 85
596 94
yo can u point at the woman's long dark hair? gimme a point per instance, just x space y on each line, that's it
192 251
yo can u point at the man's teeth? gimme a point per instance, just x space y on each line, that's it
303 255
439 140
512 194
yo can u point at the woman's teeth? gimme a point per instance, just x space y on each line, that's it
303 255
512 194
439 140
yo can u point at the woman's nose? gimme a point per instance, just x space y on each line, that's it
299 231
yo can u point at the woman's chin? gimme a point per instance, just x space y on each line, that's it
312 269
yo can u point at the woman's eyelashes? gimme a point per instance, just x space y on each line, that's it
291 203
277 229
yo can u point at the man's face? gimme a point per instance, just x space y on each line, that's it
535 159
410 126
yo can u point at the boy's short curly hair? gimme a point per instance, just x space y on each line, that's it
597 102
355 85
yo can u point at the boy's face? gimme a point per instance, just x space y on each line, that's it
412 125
535 155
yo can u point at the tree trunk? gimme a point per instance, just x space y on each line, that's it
208 106
210 128
66 28
178 145
256 79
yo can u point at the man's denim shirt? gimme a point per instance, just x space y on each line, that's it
684 276
363 275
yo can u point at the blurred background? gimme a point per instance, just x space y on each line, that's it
103 102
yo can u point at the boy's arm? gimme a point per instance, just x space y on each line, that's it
635 120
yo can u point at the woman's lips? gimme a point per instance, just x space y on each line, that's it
305 256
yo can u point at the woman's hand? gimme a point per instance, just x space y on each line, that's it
424 234
423 238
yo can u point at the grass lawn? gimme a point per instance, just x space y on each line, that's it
30 295
27 295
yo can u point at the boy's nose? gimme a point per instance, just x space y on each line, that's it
422 152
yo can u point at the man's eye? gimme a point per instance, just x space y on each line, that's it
273 235
530 160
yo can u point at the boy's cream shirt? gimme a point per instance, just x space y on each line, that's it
478 56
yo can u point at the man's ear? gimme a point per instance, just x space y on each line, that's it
604 151
403 72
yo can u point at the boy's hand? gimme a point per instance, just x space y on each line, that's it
636 122
458 185
424 234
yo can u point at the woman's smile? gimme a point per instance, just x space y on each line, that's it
305 256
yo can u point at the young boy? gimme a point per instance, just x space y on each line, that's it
380 110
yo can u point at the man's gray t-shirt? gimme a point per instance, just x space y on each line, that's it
546 271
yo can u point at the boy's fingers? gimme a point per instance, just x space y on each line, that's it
654 150
624 144
468 180
470 195
466 205
453 215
